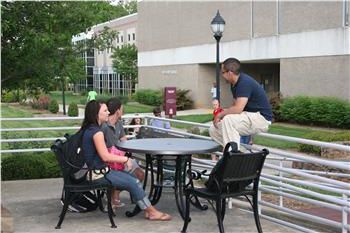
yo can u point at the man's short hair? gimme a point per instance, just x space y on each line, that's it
233 65
113 104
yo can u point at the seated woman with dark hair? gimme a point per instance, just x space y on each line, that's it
135 121
97 155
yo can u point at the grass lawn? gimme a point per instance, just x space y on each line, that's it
26 111
204 118
132 107
69 97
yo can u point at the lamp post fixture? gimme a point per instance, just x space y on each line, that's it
217 26
61 52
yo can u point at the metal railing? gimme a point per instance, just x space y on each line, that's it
326 189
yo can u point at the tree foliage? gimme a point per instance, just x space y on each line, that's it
33 32
125 61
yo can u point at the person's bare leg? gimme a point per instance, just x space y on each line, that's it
116 199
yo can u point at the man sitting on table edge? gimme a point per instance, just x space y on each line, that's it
251 111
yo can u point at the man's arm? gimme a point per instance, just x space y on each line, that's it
123 139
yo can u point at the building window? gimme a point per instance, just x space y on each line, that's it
121 39
128 37
117 39
133 36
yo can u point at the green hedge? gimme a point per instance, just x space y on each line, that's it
324 137
320 111
29 166
149 97
155 98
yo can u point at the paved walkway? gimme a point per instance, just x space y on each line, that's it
35 207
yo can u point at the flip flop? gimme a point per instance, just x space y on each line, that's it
162 217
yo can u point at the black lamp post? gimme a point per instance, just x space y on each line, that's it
61 51
217 26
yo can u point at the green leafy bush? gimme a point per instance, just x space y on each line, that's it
183 101
321 111
73 110
324 137
53 106
276 99
149 97
29 166
196 130
9 97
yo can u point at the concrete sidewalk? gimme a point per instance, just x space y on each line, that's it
35 206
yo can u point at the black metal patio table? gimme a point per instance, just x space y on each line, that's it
178 149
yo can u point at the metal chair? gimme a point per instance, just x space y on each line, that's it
236 171
72 189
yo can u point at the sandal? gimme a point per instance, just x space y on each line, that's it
162 217
117 204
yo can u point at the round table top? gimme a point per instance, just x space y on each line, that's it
169 146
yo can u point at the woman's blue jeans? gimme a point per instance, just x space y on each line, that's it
122 180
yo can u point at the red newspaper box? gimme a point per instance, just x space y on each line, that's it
170 101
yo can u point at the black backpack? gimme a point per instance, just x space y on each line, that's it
84 202
74 157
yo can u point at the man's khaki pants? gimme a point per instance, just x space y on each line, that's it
232 126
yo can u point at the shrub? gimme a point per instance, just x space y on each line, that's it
196 130
53 106
321 111
276 99
44 101
183 101
29 166
35 104
73 110
9 97
149 97
324 137
41 103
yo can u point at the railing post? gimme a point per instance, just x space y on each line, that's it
344 215
280 174
259 198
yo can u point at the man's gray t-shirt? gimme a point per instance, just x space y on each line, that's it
112 133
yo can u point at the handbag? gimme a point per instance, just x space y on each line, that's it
114 165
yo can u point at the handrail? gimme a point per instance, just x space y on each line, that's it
280 180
